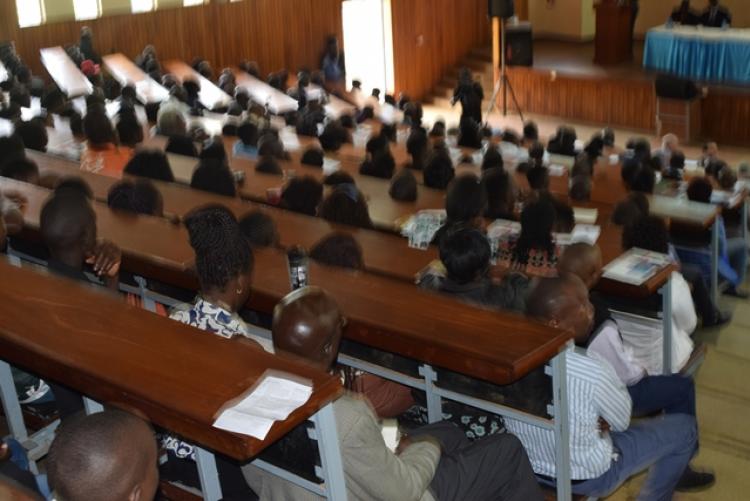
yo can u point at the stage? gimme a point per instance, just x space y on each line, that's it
564 82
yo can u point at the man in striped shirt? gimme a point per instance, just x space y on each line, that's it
605 448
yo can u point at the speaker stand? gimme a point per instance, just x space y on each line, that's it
502 80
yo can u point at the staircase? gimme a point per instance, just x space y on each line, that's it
479 61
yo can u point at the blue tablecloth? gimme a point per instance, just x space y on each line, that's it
704 54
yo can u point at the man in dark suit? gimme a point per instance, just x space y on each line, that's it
716 16
684 15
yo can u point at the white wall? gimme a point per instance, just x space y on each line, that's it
564 19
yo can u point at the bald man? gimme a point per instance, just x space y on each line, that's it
563 303
109 456
433 463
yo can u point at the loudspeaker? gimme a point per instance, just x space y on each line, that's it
501 8
675 88
519 48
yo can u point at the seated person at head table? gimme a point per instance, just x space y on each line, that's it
715 15
224 263
434 462
110 455
685 15
732 251
606 448
103 155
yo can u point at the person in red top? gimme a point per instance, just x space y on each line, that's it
103 155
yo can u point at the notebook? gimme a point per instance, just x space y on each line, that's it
636 266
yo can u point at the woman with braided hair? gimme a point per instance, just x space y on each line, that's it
223 263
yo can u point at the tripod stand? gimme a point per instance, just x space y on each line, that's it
503 81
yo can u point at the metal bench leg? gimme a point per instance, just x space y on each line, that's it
148 303
208 474
92 406
666 298
715 262
562 431
330 454
11 407
434 402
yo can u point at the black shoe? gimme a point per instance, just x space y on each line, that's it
738 293
720 318
694 481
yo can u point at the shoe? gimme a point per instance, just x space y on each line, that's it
719 319
738 293
694 481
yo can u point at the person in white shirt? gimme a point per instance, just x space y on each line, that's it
606 448
665 444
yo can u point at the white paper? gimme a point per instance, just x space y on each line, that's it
557 170
330 165
585 216
587 233
390 434
274 399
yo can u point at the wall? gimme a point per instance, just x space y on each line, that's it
655 12
431 36
275 33
561 19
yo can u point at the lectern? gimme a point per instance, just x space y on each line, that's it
613 32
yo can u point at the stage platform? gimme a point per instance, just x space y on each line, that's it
565 82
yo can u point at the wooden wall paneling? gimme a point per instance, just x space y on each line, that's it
275 33
431 36
603 101
725 117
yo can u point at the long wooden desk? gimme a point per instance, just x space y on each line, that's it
120 355
386 314
65 73
384 254
260 92
211 96
127 73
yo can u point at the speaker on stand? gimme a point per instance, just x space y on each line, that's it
501 11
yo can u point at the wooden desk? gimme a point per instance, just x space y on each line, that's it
127 73
121 355
384 254
385 314
65 73
211 96
276 101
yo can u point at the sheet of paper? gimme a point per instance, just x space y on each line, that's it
330 165
636 266
273 399
585 216
556 170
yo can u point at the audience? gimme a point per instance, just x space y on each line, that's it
214 177
346 205
303 195
103 155
436 459
139 197
340 250
501 194
404 187
439 170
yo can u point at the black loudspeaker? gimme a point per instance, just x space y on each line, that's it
519 48
501 8
675 88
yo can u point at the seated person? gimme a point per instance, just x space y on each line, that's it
247 146
710 154
224 263
465 255
434 462
33 134
21 169
629 210
534 252
105 456
580 189
381 165
418 148
651 233
151 164
303 195
214 177
685 15
606 448
465 203
715 15
563 142
270 152
346 205
732 251
103 155
259 230
11 215
538 178
138 197
129 129
340 250
439 169
404 187
313 157
492 159
676 166
171 123
501 194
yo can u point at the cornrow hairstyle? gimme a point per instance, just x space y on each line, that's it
221 250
